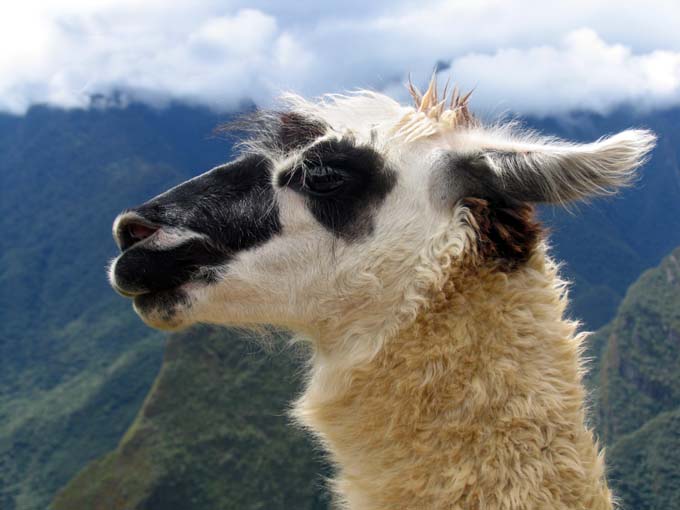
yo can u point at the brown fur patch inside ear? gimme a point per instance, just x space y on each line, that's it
506 234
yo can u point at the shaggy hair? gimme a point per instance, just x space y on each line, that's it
444 374
477 404
471 397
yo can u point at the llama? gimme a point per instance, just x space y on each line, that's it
399 242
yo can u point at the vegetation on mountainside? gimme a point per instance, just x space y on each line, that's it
47 436
640 368
212 434
75 362
637 390
645 465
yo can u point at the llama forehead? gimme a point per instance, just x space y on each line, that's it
410 162
362 115
367 117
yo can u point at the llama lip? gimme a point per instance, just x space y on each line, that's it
142 269
127 294
150 298
164 303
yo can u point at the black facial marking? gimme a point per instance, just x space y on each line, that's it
459 176
166 269
231 206
343 183
470 175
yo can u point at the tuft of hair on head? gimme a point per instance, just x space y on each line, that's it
451 109
434 112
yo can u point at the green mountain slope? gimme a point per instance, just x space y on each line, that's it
216 375
637 390
645 465
640 367
75 362
213 434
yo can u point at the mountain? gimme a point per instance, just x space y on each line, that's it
198 448
76 364
640 366
636 385
212 434
644 464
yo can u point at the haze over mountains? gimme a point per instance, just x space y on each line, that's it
76 364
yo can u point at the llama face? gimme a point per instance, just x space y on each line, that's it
339 215
286 238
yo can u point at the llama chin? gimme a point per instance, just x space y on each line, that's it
167 310
401 243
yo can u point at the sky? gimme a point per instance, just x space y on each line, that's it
529 57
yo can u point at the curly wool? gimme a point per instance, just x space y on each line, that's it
478 404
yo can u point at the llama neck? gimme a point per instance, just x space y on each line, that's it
478 404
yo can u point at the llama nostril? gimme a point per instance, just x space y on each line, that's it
133 232
130 229
140 232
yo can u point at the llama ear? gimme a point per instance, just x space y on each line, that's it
554 171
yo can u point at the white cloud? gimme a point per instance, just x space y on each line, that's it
160 53
521 56
583 72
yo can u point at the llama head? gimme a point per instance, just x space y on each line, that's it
340 213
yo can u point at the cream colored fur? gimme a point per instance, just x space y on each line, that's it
477 404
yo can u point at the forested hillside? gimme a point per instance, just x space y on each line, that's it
76 363
213 434
638 390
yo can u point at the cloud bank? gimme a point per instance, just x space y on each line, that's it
520 56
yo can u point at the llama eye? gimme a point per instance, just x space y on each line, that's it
323 180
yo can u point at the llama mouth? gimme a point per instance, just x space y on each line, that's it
143 271
127 294
144 296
